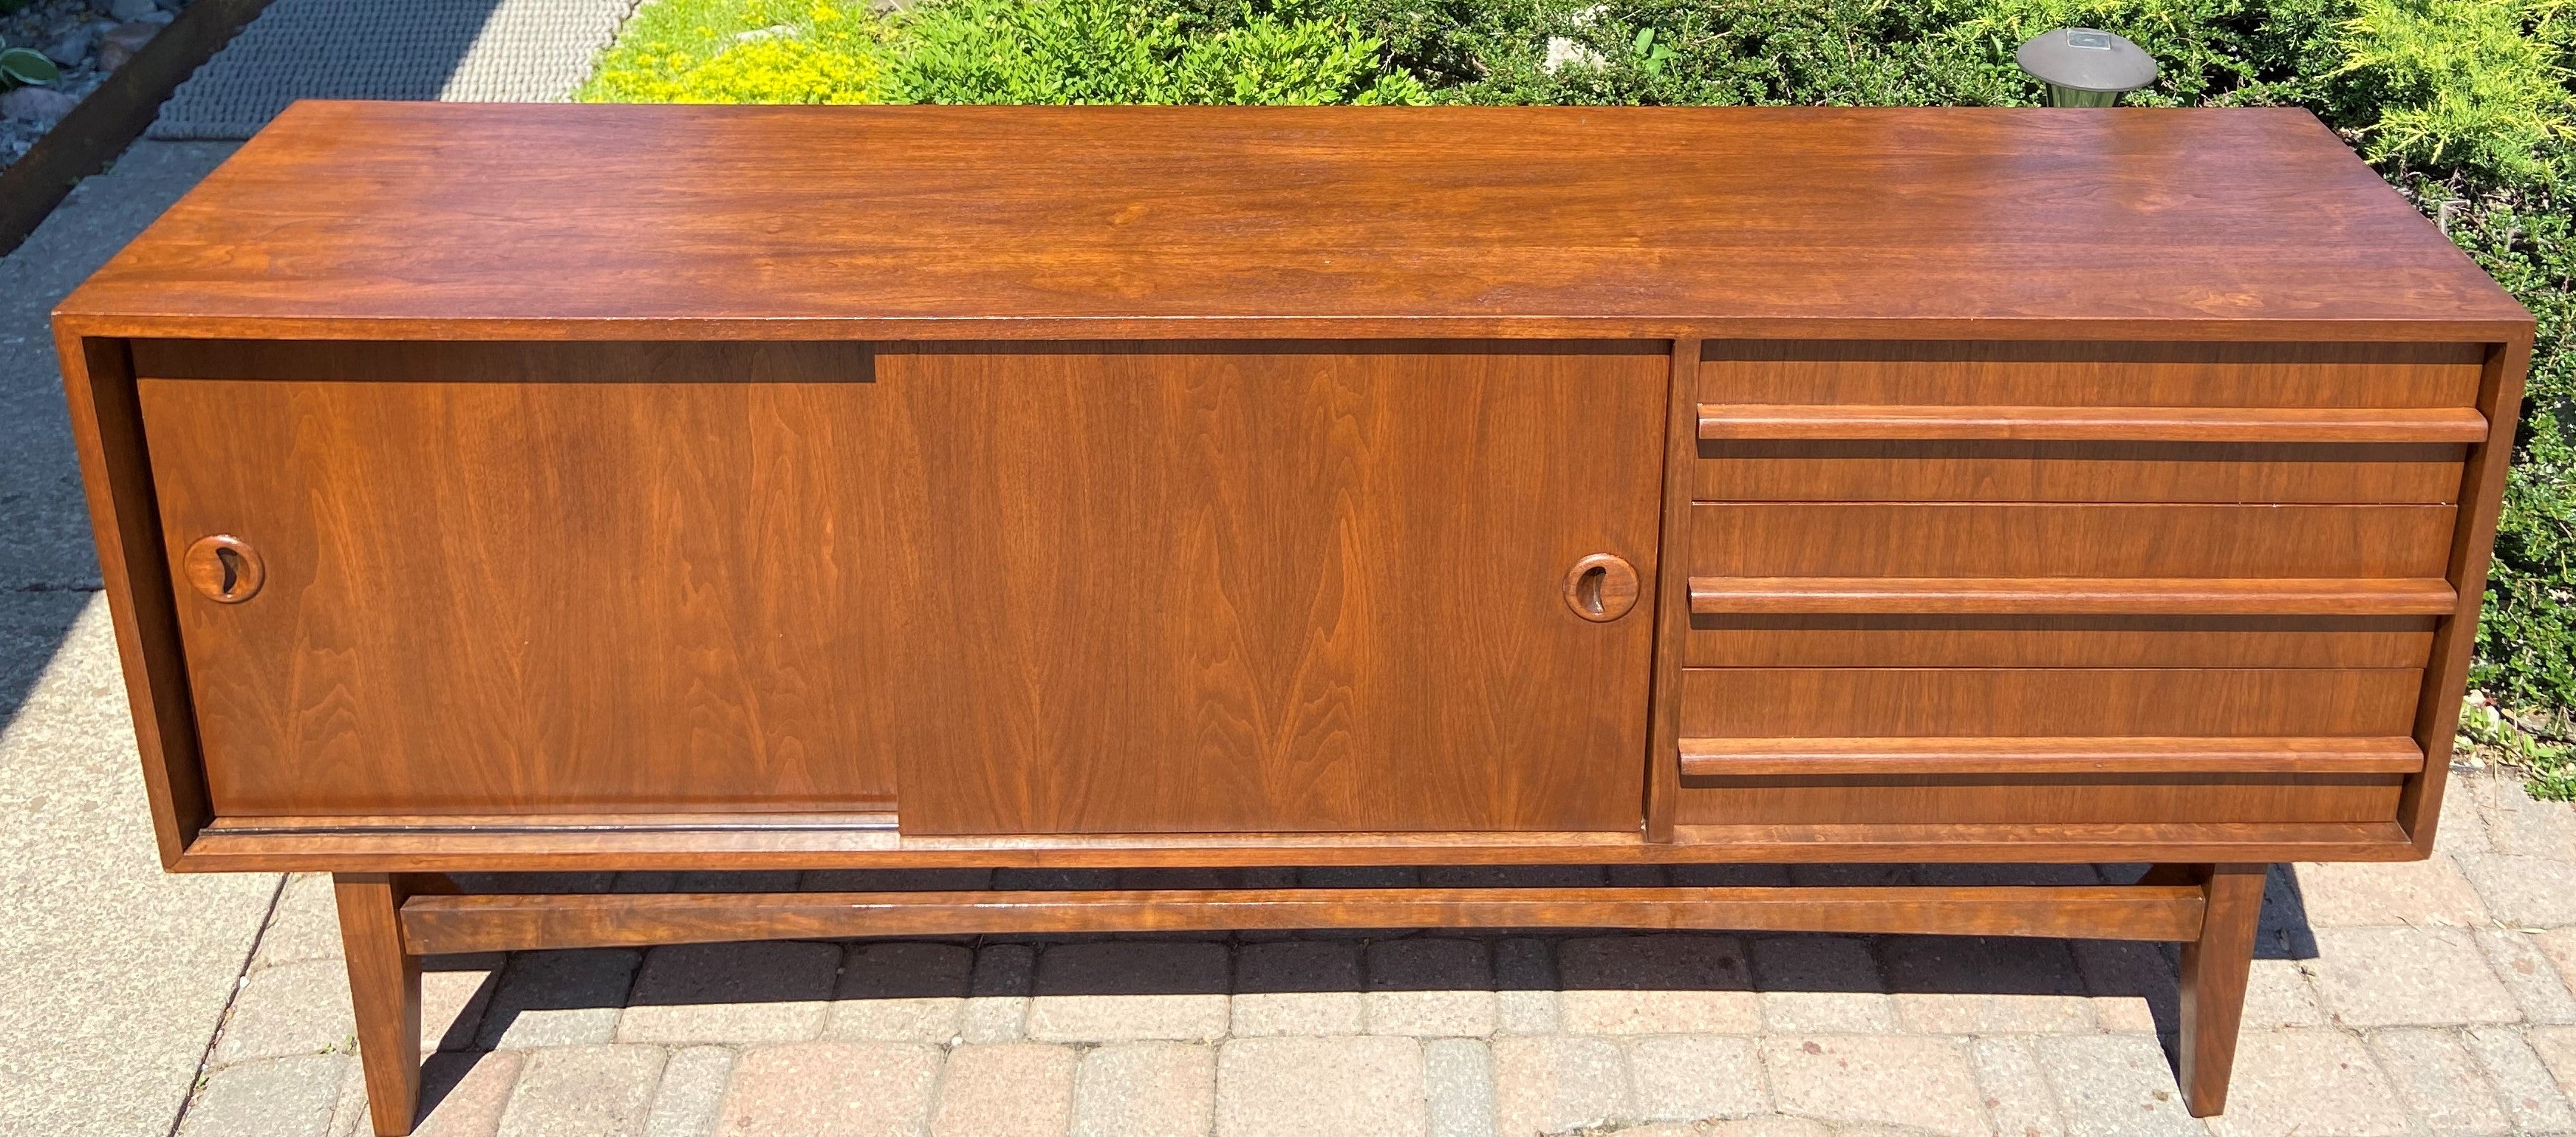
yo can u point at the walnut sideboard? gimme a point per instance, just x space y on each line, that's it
492 489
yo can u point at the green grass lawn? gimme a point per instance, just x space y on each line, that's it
2463 105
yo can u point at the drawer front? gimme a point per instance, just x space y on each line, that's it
1910 421
1881 702
2368 542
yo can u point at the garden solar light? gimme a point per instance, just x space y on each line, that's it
2084 67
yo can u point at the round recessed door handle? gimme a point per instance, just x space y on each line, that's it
1601 587
224 568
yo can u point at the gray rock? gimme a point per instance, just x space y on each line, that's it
36 104
73 47
129 10
122 41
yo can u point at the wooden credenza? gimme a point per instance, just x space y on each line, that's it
508 489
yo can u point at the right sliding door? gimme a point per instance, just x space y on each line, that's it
1957 582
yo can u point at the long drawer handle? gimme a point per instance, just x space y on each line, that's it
1802 757
1988 596
1854 423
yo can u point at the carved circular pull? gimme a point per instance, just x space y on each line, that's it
224 568
1601 588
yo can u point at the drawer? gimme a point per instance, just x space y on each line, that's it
2024 540
2067 702
1878 421
2044 746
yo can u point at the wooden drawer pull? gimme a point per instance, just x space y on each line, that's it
2178 596
224 569
1800 757
1825 422
1601 588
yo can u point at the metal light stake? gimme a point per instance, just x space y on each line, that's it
2084 67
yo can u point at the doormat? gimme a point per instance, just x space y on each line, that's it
507 51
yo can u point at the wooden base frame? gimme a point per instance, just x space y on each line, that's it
389 921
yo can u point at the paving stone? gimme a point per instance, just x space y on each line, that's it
583 1091
1877 1080
2307 1082
2525 968
559 998
1359 876
1850 876
1430 988
1320 1087
1122 990
1657 984
1011 880
305 924
1986 984
1695 1077
692 1090
2017 1098
1641 876
2279 995
288 1011
775 880
2372 977
1145 1089
902 991
1526 986
1971 875
2524 892
1011 1089
1458 1087
454 992
274 1097
2439 1080
2133 985
1297 987
997 1001
2348 895
1821 985
2518 825
466 1093
2534 1073
737 993
1558 1084
2115 1085
830 1089
2460 828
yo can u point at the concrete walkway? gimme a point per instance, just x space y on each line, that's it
113 975
2428 998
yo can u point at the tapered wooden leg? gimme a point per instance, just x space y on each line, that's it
2213 982
384 985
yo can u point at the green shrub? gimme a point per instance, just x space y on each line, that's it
2460 83
744 51
1122 51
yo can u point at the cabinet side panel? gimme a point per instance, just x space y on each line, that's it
116 476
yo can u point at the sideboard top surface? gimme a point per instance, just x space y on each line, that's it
413 220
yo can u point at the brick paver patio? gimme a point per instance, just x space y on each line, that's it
2428 998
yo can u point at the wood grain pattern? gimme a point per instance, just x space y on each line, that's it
1851 422
534 221
614 849
1672 591
1879 702
384 988
2052 540
2215 967
1269 588
2178 472
439 924
2023 371
2118 596
2059 641
1801 757
2472 543
498 596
